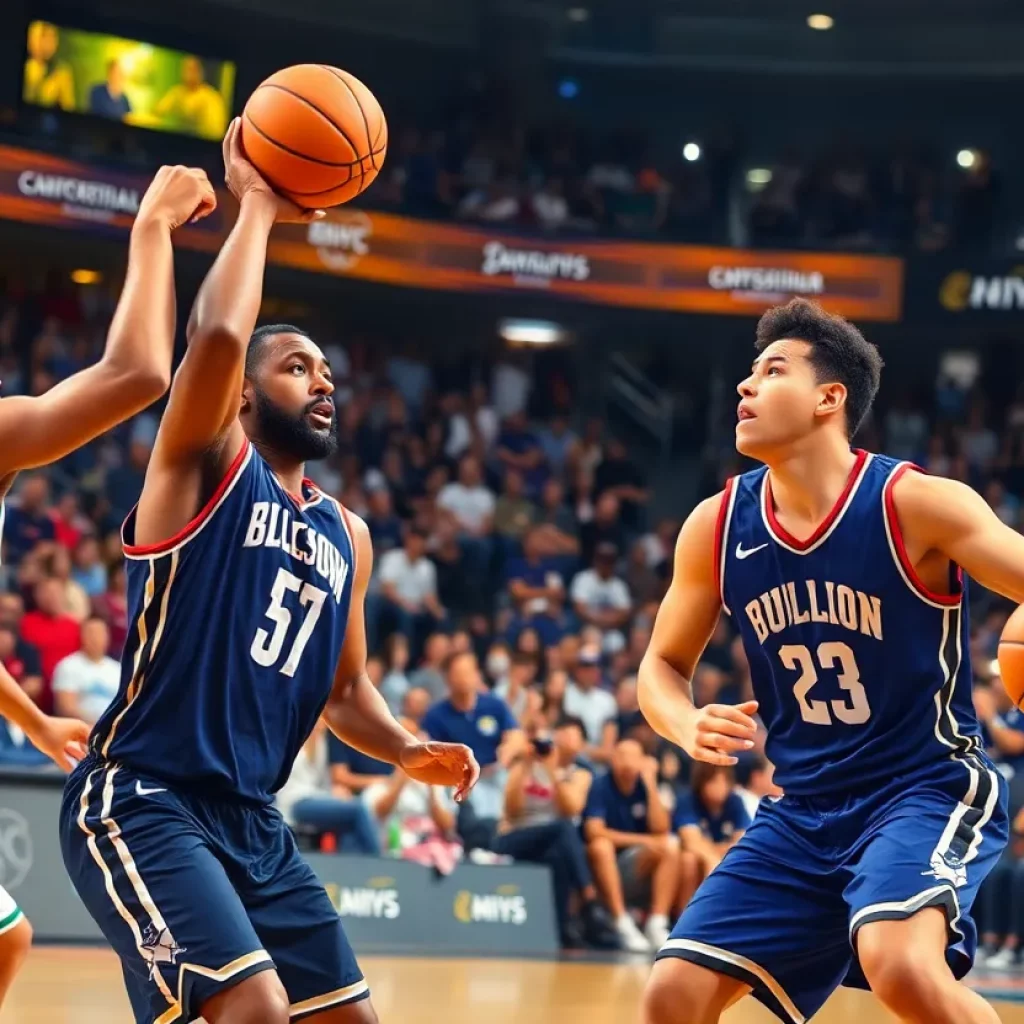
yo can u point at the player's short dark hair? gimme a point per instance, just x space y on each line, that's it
839 352
254 353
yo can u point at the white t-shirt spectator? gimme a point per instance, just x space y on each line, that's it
511 389
471 506
94 682
592 707
551 210
413 581
598 594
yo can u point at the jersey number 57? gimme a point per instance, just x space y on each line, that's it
267 646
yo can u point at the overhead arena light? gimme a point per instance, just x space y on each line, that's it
967 158
86 276
578 14
820 22
531 332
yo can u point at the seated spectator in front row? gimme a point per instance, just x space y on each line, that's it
84 683
544 798
709 819
756 778
483 722
308 799
1001 905
634 856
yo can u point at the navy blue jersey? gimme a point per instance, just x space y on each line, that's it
731 819
861 672
237 626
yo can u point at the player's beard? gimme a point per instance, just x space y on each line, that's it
290 434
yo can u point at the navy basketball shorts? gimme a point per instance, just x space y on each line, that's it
782 911
197 894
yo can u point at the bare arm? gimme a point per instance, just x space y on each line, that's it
199 433
684 624
595 828
135 368
515 789
948 518
571 793
659 821
358 715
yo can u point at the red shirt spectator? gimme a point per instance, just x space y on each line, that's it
112 608
52 632
68 521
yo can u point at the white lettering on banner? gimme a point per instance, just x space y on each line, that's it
770 280
489 908
533 264
997 293
93 195
341 243
15 848
367 903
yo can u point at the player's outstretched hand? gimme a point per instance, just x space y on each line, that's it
243 180
64 740
718 732
177 195
442 764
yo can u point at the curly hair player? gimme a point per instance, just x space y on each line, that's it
246 590
844 573
134 371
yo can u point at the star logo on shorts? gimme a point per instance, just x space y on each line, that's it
947 868
158 947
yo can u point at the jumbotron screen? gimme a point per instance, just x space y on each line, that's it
125 80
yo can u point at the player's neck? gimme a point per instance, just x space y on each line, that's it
809 480
289 473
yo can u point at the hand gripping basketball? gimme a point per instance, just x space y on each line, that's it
442 764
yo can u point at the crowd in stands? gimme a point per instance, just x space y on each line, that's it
518 571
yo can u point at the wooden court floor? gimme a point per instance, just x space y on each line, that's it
83 986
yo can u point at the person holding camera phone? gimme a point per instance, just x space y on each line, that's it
545 795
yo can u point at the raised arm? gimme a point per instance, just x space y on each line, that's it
135 368
199 433
948 518
358 715
684 624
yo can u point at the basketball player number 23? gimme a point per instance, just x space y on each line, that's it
266 647
830 656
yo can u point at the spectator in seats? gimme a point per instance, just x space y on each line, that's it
408 581
414 820
604 527
395 683
709 818
496 203
27 521
53 633
620 476
511 384
587 700
1001 904
384 526
559 444
645 582
1004 725
519 449
310 801
416 704
756 777
84 683
112 607
430 675
557 524
76 600
634 856
124 483
544 798
599 597
627 718
553 694
513 511
538 590
550 206
515 686
21 660
485 419
88 570
471 506
497 661
484 723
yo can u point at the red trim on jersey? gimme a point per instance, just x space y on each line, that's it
901 548
723 512
298 498
204 513
802 545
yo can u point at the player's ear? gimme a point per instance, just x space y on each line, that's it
831 398
247 396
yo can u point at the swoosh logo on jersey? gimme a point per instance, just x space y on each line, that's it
742 552
143 791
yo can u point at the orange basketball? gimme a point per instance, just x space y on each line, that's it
316 133
1011 656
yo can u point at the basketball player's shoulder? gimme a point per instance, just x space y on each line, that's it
920 500
356 528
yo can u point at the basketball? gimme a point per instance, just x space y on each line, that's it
1011 656
316 133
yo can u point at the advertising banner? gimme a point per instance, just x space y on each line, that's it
385 904
390 249
955 290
